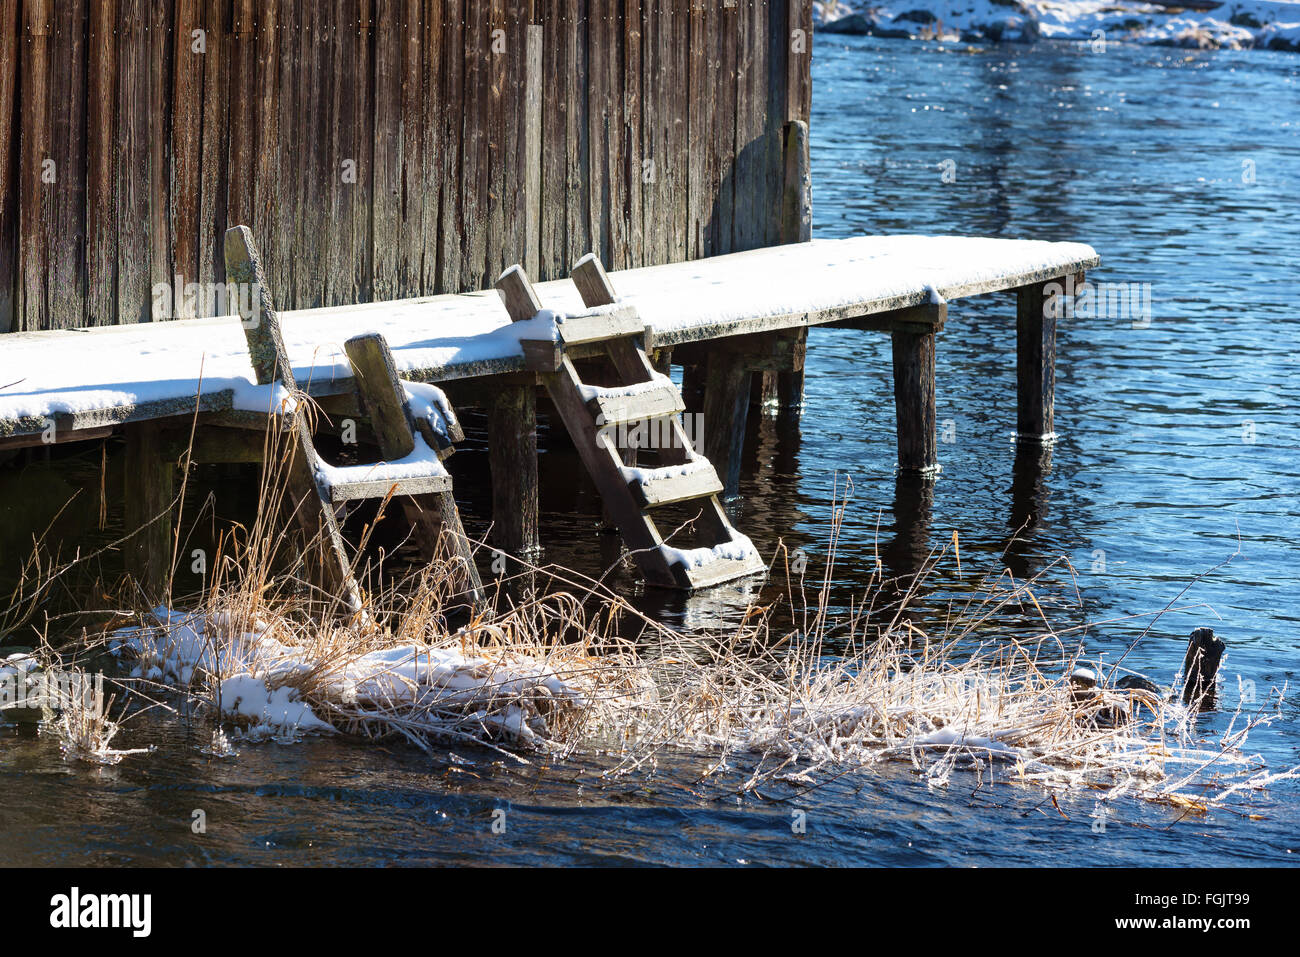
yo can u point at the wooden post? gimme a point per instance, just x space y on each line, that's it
386 404
790 382
512 455
914 401
726 411
532 197
796 196
1200 666
512 438
150 490
763 393
1036 311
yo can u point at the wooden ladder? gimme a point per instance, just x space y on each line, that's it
412 471
594 414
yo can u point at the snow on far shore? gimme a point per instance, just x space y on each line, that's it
1232 24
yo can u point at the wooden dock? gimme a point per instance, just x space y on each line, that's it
385 156
722 319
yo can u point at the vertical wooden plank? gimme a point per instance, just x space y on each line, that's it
652 122
66 221
312 280
599 53
579 239
555 112
474 148
34 195
158 132
615 205
451 206
514 172
434 142
726 35
266 160
795 214
282 243
101 166
340 169
801 63
187 151
758 151
133 175
363 191
678 150
386 219
531 198
10 33
633 234
505 47
411 250
698 144
212 205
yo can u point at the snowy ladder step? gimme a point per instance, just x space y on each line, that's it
651 400
674 483
591 414
352 490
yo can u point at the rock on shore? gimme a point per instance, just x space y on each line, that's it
1230 24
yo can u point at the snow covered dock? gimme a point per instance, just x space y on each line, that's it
92 379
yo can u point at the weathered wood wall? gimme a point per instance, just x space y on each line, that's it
379 148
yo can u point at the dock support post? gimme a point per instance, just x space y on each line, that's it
1037 307
914 401
150 490
512 455
726 410
789 382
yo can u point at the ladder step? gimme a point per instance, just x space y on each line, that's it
351 490
724 570
607 322
631 403
702 567
673 483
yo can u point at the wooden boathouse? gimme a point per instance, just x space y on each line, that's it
390 178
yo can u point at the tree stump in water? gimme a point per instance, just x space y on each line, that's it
1200 666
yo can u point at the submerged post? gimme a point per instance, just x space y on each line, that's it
1200 668
512 457
1037 308
150 489
914 402
726 413
512 438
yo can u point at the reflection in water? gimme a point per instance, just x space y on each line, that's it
1029 493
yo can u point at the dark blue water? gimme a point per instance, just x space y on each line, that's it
1178 449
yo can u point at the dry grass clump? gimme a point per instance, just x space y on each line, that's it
546 674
